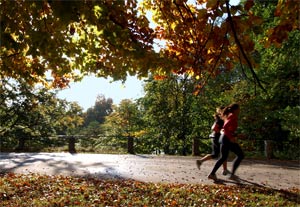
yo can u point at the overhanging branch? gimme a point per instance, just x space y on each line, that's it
241 47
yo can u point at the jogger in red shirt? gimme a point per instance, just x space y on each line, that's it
228 141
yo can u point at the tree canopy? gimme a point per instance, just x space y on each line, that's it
69 39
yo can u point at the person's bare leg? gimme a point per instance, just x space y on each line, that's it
206 157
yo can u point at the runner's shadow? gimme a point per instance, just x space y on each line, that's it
291 196
240 182
251 183
225 182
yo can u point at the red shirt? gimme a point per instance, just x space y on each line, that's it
230 125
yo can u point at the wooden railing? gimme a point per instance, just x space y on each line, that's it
72 140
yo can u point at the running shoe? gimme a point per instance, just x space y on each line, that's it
212 177
198 163
226 172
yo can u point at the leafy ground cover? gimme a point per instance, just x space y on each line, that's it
44 190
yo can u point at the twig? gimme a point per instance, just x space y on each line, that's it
241 47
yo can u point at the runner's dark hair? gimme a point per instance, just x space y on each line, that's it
229 109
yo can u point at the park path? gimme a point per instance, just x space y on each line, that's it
151 168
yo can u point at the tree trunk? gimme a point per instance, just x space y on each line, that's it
130 148
196 143
72 145
269 149
21 145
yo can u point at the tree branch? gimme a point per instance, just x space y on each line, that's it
241 47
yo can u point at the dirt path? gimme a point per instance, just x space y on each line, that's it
151 168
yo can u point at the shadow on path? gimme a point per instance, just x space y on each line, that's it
240 182
287 164
54 164
271 174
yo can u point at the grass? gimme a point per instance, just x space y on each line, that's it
44 190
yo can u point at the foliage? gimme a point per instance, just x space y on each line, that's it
208 35
125 120
25 113
270 114
68 119
123 123
101 109
175 115
43 190
29 116
113 38
213 55
107 38
162 105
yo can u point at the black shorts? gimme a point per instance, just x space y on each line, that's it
215 147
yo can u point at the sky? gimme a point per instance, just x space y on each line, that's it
86 91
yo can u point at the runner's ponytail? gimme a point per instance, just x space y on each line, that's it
230 109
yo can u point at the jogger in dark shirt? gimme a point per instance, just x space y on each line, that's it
215 135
